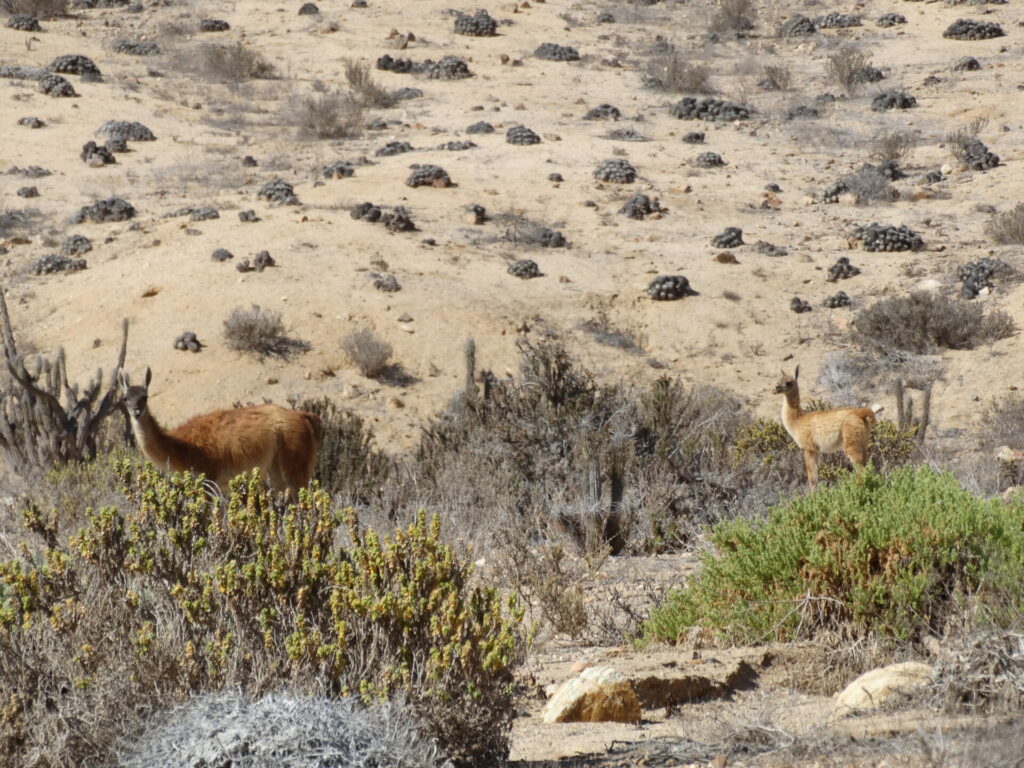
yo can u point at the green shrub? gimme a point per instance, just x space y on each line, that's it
171 595
924 322
887 555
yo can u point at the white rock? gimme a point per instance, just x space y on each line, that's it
597 695
871 689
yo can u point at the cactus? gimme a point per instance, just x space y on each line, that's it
36 431
905 410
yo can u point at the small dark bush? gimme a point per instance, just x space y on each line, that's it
1007 228
846 68
325 115
883 555
261 332
365 89
776 77
924 323
673 71
368 352
893 146
348 464
732 17
231 63
40 9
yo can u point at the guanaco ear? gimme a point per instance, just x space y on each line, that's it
796 374
122 379
149 376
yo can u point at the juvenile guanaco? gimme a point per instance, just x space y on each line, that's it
817 432
281 443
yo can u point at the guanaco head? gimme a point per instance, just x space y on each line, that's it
786 382
135 397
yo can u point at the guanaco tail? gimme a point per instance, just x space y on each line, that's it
817 432
281 443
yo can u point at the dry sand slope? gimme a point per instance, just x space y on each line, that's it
736 333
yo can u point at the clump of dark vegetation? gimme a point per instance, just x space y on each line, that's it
615 170
480 24
837 21
730 237
709 160
448 68
188 342
524 269
890 20
603 112
56 86
842 270
868 557
52 262
111 209
368 352
671 70
74 64
879 237
213 25
552 52
428 176
980 274
24 22
396 219
641 206
925 323
892 100
278 191
1007 228
520 134
137 48
670 288
261 332
708 109
968 149
797 25
836 301
339 169
798 305
969 29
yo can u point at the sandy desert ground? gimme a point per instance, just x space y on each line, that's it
156 269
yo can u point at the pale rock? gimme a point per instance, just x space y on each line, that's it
872 689
598 695
931 284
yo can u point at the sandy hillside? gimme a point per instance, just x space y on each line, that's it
156 268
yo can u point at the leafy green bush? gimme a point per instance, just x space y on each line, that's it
171 594
888 555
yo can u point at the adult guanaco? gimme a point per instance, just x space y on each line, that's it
281 443
817 432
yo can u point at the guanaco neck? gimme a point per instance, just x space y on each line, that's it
791 411
162 449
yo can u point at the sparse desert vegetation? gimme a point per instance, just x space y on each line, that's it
532 271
